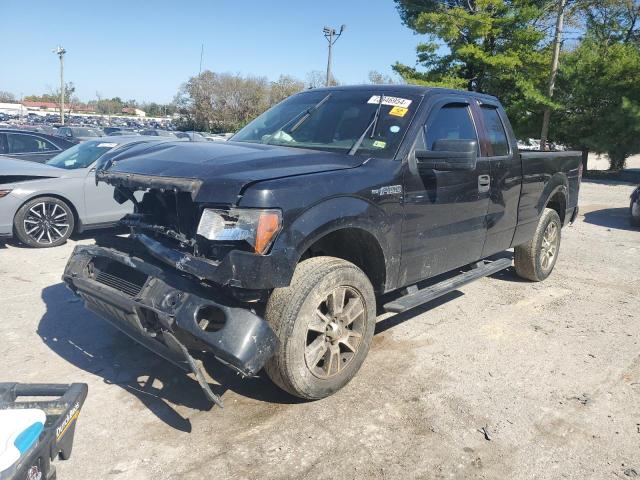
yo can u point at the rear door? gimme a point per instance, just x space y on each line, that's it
444 211
506 175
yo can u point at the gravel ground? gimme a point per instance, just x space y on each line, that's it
504 379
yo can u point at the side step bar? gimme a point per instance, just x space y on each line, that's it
432 292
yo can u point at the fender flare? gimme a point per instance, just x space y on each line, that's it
557 183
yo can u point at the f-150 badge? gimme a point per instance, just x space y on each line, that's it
388 190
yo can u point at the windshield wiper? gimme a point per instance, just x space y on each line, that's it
303 118
373 124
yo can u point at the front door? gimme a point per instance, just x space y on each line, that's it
100 206
444 223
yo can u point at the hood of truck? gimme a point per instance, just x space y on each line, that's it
215 172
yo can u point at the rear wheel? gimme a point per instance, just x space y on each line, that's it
535 259
325 321
44 222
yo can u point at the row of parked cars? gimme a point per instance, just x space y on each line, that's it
47 185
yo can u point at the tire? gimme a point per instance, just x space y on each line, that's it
634 213
316 370
535 260
44 222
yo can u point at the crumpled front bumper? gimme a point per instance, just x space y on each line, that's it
169 313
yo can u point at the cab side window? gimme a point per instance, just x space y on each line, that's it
451 122
495 131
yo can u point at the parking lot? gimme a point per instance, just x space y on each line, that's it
503 379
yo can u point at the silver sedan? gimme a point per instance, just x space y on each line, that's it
43 204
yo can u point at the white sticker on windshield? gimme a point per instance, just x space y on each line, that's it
392 101
107 145
394 128
69 163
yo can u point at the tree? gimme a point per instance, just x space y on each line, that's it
600 92
317 79
284 87
221 102
7 97
500 43
378 78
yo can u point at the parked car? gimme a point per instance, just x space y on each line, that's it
78 134
29 145
118 133
42 205
272 249
158 133
634 208
191 136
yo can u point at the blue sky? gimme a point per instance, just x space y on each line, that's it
145 50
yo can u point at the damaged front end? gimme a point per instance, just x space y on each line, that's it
175 293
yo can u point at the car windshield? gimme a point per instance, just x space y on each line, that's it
335 121
85 132
81 155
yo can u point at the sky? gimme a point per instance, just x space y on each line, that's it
146 50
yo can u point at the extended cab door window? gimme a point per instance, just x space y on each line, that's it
498 144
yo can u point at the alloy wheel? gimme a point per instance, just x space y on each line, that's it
335 332
46 223
549 247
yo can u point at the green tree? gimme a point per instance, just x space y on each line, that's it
501 43
599 89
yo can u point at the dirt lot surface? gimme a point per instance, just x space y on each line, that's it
550 371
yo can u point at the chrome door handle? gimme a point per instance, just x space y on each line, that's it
484 183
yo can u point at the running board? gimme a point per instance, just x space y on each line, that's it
432 292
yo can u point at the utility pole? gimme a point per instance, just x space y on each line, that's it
60 51
201 54
557 42
332 37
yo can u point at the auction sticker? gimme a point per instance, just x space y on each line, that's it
107 145
392 101
398 111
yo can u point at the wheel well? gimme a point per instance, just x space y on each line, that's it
558 202
356 246
76 218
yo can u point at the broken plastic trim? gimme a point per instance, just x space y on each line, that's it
142 182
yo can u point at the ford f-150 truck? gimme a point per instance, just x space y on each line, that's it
273 249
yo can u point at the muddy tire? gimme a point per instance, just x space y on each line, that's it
325 322
535 259
44 222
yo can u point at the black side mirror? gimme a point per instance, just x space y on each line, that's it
448 154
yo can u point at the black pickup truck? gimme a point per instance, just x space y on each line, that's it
272 249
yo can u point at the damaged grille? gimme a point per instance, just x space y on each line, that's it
117 276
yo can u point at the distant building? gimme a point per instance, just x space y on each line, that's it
134 111
12 109
55 107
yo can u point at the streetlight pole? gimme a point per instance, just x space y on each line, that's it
60 51
332 37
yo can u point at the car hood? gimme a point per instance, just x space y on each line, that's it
215 172
12 170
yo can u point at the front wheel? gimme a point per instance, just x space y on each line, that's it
325 322
535 259
44 222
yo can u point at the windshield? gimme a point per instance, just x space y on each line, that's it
81 155
85 132
335 124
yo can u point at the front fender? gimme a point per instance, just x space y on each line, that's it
339 213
